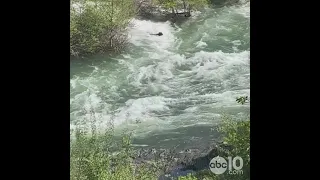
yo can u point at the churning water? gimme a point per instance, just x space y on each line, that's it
169 89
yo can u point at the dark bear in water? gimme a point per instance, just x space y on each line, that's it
159 34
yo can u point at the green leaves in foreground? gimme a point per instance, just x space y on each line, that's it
237 135
242 99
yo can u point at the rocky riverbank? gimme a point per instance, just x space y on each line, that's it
175 163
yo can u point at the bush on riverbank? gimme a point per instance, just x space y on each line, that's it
236 134
99 26
91 158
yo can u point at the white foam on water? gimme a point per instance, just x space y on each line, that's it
191 109
87 101
244 10
195 14
216 65
141 109
236 42
158 72
222 27
73 82
140 34
205 66
201 44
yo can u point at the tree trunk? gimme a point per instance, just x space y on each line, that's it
111 11
184 6
189 11
111 23
173 12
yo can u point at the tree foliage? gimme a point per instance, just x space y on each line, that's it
242 99
99 26
236 133
186 5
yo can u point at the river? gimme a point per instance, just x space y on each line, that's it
168 90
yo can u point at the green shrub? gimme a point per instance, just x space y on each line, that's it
242 99
99 26
91 158
237 135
